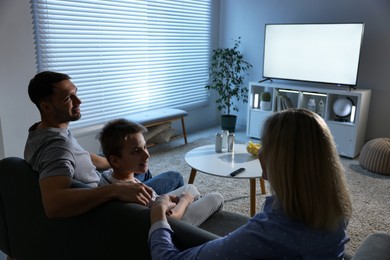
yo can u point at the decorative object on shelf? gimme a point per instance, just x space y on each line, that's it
311 105
342 108
321 108
265 101
227 72
252 148
256 100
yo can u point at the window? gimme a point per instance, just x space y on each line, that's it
126 56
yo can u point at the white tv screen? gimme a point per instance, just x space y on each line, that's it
327 53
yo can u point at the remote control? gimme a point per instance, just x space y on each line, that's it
237 172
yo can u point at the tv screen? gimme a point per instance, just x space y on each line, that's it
326 53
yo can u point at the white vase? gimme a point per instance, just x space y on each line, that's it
265 105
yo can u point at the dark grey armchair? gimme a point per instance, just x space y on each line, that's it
115 230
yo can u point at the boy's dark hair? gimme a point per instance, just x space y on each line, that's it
42 85
114 134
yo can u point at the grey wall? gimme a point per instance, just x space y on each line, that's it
245 18
16 67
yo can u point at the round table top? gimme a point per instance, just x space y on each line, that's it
206 160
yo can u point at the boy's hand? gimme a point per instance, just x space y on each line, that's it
160 208
174 198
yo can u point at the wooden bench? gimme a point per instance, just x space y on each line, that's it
158 117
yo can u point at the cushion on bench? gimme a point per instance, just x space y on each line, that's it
153 117
156 129
149 119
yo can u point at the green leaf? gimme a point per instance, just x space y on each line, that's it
226 76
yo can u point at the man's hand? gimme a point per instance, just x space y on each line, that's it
133 192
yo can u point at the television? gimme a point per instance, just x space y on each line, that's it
324 53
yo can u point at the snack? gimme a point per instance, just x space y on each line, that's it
253 148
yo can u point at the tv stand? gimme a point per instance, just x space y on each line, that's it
348 133
266 79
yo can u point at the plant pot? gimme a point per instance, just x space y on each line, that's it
265 105
228 122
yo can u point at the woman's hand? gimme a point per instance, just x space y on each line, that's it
160 208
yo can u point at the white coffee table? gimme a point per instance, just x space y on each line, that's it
205 159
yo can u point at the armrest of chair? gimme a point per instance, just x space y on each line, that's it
375 246
224 222
4 242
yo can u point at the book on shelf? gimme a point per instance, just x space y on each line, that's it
283 103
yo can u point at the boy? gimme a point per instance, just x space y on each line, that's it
124 147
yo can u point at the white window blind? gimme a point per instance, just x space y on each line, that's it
126 56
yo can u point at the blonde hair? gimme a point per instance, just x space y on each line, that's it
304 169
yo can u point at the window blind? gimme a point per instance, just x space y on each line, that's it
126 56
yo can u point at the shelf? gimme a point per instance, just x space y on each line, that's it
320 98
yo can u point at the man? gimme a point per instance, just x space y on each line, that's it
52 150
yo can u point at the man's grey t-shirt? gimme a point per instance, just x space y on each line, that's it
55 152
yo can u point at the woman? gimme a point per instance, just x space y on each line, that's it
306 216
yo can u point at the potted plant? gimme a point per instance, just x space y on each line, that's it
265 101
227 72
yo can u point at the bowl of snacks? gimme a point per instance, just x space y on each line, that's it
253 148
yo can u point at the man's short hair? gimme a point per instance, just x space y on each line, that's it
43 84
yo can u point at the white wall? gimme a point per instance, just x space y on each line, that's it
244 18
16 68
247 18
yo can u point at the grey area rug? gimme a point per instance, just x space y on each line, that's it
370 191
